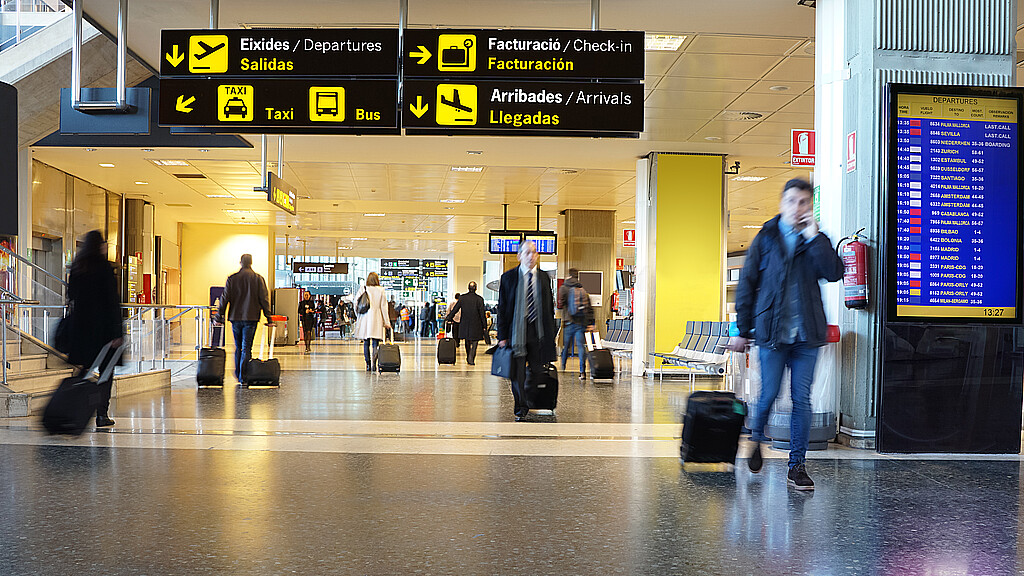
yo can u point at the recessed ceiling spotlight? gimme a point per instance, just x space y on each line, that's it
467 168
141 183
106 165
90 149
218 195
449 208
359 238
423 231
474 152
779 88
663 42
712 138
374 214
204 149
148 150
749 178
451 201
569 171
458 241
344 247
629 221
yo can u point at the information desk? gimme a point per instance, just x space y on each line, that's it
955 227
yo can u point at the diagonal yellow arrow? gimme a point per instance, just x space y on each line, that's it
174 57
185 105
423 54
420 108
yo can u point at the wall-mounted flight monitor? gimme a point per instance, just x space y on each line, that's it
504 242
954 223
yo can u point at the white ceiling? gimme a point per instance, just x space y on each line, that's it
739 56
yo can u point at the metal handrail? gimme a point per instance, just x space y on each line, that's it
4 302
21 258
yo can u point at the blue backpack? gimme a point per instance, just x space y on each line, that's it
578 303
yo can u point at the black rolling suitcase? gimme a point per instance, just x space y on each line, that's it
259 372
74 402
602 367
711 427
446 349
389 355
541 388
210 369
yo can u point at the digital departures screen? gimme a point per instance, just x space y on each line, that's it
956 194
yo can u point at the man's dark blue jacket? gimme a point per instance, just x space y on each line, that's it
507 311
759 305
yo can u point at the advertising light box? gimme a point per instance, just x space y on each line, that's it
953 217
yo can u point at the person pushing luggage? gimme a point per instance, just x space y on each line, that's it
245 292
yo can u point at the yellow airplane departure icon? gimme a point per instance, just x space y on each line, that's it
208 53
456 104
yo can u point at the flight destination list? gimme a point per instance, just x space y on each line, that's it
956 206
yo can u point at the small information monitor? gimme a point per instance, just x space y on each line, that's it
504 242
954 204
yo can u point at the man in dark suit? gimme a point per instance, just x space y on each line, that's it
526 321
473 321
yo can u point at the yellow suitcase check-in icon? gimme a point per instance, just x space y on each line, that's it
456 52
456 104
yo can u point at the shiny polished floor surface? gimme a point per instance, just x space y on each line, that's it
424 472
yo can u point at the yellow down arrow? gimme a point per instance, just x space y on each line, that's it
423 54
420 108
185 105
174 57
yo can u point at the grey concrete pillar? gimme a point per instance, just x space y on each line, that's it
860 46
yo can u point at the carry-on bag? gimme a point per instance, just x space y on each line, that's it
711 427
602 367
210 369
446 348
501 361
75 401
260 372
541 388
389 355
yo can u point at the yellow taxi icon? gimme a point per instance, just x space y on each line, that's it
234 103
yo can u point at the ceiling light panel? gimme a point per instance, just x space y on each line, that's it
663 42
169 162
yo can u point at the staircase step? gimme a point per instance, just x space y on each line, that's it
26 363
38 380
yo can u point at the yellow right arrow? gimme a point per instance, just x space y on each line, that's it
174 57
423 54
420 108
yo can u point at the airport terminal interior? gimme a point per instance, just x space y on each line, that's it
644 143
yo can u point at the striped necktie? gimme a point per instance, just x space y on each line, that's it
531 303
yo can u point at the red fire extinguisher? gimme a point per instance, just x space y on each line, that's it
855 276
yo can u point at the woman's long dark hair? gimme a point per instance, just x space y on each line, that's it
91 253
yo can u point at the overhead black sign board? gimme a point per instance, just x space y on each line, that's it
279 52
319 267
511 107
253 105
524 54
399 263
281 194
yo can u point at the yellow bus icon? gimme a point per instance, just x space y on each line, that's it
327 103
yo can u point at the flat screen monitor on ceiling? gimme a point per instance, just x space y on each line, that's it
953 217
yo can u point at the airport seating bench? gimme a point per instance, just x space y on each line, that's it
702 352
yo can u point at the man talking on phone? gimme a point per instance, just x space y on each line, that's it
778 304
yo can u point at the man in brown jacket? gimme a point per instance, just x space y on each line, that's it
246 292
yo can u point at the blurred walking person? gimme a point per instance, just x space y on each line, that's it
94 307
370 325
470 309
307 315
245 298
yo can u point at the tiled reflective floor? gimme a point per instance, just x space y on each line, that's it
344 472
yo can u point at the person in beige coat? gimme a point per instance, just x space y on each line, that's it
371 325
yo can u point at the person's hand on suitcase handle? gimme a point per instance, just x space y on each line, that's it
738 344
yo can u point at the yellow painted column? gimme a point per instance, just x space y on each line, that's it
682 228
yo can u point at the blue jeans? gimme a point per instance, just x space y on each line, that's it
801 359
574 334
371 361
245 332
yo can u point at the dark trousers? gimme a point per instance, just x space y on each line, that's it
105 386
245 332
471 350
522 366
371 362
455 333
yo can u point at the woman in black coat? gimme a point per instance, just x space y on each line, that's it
94 306
307 315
